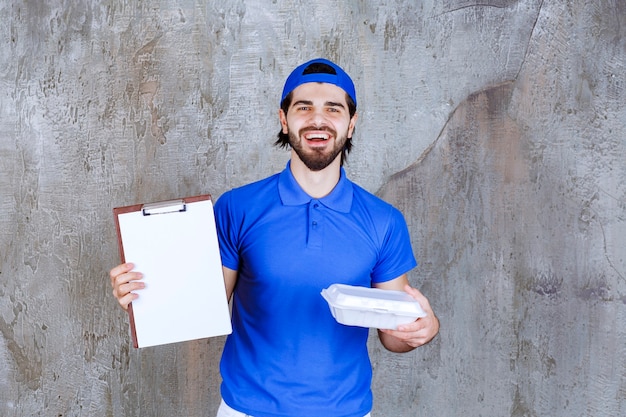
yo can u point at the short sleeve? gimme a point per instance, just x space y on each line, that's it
227 231
396 254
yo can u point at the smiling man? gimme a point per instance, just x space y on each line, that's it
317 114
285 238
329 102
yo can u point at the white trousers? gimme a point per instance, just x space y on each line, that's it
226 411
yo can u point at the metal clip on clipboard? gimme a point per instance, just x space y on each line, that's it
171 206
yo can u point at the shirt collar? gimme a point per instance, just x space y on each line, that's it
291 194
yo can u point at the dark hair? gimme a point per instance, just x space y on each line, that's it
315 68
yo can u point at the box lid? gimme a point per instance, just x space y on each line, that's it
350 297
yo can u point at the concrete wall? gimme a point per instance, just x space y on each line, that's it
498 127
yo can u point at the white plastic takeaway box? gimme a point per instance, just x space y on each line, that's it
371 307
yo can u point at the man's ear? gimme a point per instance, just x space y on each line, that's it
352 124
283 121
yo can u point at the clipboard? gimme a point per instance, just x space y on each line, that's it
174 245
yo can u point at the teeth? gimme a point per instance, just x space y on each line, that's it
318 136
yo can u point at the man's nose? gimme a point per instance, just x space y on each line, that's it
318 117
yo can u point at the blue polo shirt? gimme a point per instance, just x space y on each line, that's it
287 356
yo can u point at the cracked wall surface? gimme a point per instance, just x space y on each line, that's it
497 127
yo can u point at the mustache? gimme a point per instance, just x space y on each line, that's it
327 129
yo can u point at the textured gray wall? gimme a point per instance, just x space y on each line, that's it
497 127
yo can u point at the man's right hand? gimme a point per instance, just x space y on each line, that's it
124 281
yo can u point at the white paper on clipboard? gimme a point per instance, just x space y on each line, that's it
177 252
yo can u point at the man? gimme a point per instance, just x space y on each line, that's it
284 239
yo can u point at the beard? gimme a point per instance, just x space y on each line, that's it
317 159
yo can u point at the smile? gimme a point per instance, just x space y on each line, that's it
317 136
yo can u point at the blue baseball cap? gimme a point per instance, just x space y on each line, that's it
341 79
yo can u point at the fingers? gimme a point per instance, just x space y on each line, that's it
419 297
124 281
119 270
126 299
421 331
417 333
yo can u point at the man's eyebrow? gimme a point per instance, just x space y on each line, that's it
334 104
310 103
305 102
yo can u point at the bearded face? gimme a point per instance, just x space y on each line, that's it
318 124
319 157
